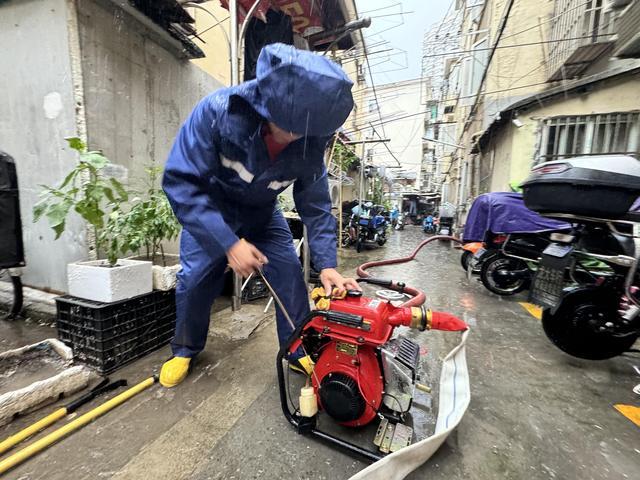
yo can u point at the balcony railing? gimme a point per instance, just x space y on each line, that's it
581 31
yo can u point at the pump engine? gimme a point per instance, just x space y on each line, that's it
359 368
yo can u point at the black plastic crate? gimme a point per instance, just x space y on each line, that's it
255 289
106 336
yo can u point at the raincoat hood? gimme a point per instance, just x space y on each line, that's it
299 91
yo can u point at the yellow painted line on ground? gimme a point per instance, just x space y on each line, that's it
534 310
629 411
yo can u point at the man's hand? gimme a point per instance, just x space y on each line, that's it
244 258
331 278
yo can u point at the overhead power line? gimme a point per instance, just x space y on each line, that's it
392 14
548 20
498 47
381 8
375 96
453 99
542 22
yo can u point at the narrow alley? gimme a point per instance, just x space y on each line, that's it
535 412
320 240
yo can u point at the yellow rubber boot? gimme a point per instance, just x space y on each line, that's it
174 371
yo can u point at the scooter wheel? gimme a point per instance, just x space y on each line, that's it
576 326
465 259
503 287
345 240
358 245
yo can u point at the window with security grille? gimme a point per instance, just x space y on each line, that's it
609 133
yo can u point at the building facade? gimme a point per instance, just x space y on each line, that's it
441 67
590 104
539 81
390 114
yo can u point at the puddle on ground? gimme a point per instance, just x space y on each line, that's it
32 366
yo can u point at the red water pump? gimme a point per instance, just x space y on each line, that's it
359 368
362 370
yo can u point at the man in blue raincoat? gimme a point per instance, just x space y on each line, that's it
238 150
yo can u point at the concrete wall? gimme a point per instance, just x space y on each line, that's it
137 94
37 111
513 74
516 73
514 148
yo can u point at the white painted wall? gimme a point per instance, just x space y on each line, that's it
398 100
37 111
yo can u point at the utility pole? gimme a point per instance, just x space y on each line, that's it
236 297
362 165
233 33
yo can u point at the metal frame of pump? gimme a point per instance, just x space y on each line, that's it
341 325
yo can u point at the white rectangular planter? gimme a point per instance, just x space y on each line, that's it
95 280
164 277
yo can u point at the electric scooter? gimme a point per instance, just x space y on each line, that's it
596 315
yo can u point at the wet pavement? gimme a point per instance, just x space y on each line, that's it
535 412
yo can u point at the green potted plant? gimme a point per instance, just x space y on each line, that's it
144 228
87 192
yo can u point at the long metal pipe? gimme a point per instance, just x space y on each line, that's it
245 24
236 298
233 33
234 43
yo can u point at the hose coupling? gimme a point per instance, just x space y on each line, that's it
420 318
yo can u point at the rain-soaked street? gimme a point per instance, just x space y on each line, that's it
147 148
535 412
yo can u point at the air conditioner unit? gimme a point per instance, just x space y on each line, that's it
450 118
628 43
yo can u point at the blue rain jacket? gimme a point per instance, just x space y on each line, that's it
219 178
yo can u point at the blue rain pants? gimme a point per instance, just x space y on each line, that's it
201 281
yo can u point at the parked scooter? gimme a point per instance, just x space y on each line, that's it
597 315
399 222
348 234
468 252
513 238
445 225
371 228
428 225
445 219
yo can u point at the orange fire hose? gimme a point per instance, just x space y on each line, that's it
418 296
